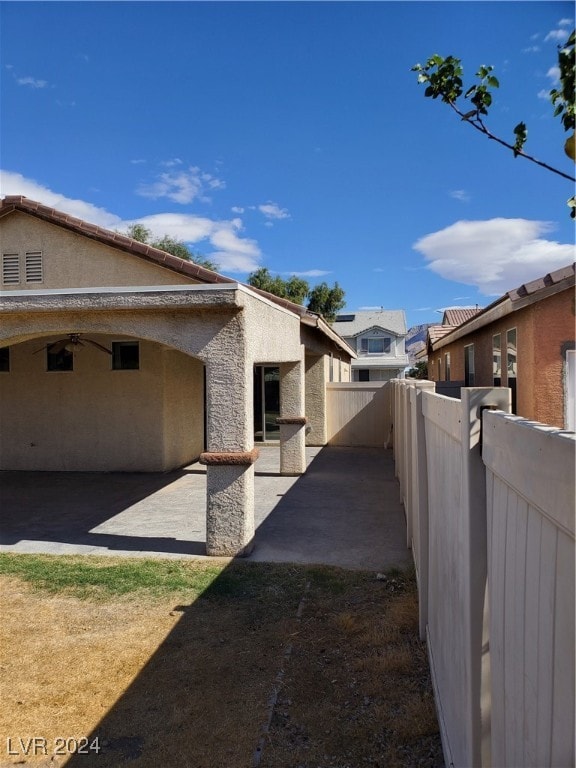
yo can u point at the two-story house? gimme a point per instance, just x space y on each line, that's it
378 338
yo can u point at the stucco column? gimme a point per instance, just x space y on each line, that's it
315 379
292 420
230 456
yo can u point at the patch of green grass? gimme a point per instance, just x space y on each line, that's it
266 584
93 577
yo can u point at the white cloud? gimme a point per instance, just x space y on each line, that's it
273 211
495 255
544 94
554 75
531 49
16 184
460 194
565 22
237 209
33 82
310 273
232 252
558 35
180 186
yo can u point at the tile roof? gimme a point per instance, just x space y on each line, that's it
352 323
436 332
459 315
549 280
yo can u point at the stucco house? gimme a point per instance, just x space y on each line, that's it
378 338
116 356
524 340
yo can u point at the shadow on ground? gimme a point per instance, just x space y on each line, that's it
203 697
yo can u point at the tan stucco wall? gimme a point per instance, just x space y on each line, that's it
97 419
183 401
73 261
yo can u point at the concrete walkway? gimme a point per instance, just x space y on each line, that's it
344 511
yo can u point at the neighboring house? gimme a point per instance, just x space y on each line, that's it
116 356
524 340
377 337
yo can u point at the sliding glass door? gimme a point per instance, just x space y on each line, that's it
266 403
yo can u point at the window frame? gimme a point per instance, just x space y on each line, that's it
59 362
5 359
365 345
469 366
117 361
497 360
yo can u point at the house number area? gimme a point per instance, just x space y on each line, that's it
60 745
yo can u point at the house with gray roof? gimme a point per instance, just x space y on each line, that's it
378 338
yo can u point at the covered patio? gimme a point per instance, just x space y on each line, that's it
344 511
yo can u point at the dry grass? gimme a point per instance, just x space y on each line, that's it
175 679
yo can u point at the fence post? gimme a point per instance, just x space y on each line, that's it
475 537
419 499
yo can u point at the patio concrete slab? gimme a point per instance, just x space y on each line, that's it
344 511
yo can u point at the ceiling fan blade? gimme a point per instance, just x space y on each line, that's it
57 346
48 346
99 346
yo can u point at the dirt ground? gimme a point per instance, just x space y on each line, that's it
305 668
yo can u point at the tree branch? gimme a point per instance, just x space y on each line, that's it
479 125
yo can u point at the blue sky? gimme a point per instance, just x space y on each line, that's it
294 136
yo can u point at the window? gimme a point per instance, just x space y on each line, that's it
363 374
125 355
496 360
447 365
33 264
570 384
58 358
4 359
375 346
511 363
439 368
469 376
10 269
511 353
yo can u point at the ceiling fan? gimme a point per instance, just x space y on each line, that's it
71 344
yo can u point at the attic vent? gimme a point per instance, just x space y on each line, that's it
345 318
10 269
34 267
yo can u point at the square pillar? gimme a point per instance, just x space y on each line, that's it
230 502
292 420
315 384
230 457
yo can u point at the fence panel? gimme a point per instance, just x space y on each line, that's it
457 563
358 413
531 546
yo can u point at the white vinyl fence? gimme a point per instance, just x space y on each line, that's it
531 588
358 414
489 498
